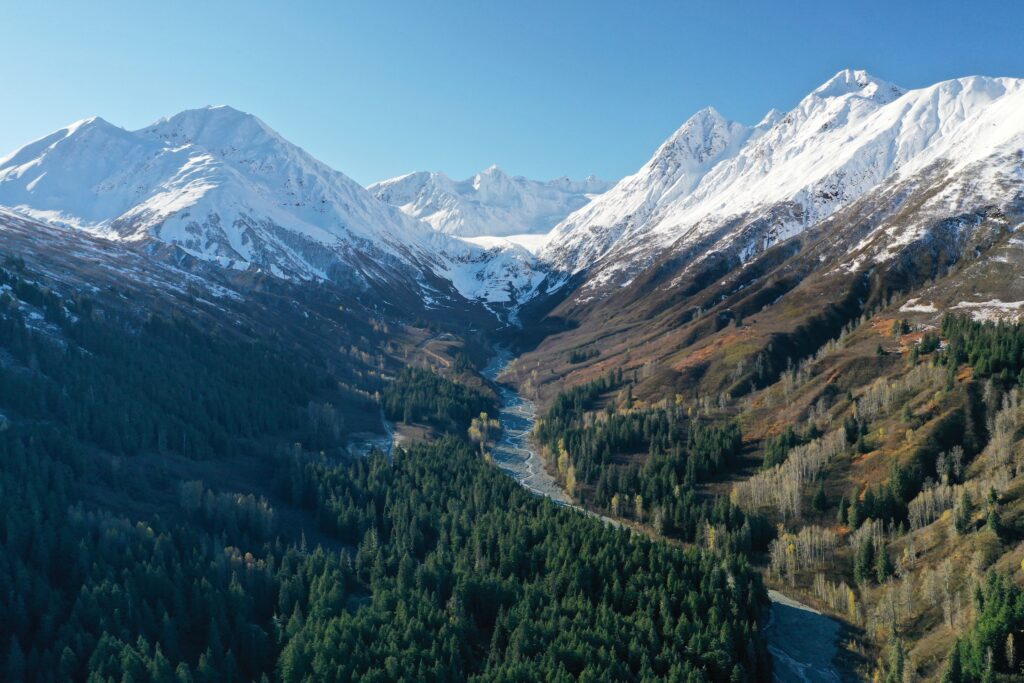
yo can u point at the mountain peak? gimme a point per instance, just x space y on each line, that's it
492 172
703 137
94 125
211 111
707 113
860 83
706 119
92 131
491 180
216 125
85 123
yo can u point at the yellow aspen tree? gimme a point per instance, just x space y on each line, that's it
563 459
852 609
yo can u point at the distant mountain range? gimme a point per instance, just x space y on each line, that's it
491 203
221 186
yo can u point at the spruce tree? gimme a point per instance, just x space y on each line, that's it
962 514
820 501
953 671
864 561
883 566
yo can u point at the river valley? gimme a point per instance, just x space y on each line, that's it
803 642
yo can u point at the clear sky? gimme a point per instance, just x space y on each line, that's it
542 88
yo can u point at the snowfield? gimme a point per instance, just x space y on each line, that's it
993 309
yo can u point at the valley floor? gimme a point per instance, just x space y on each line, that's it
514 453
803 642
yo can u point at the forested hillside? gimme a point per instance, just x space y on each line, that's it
879 478
180 504
645 464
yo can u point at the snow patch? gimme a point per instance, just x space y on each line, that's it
912 306
993 309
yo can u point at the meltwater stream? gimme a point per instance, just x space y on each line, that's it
514 453
802 641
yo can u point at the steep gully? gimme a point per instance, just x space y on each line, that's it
802 641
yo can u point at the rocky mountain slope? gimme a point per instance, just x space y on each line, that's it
861 189
718 188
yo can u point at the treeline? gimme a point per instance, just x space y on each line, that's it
419 395
570 405
992 349
581 356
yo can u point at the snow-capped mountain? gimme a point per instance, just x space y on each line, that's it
717 186
490 203
223 186
674 170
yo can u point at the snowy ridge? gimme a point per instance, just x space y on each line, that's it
790 171
223 186
491 203
674 170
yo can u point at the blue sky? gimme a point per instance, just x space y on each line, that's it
543 89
